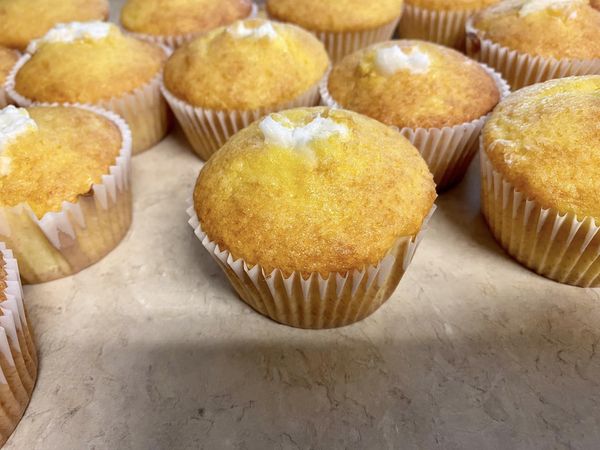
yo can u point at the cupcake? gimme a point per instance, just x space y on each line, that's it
94 63
595 4
440 21
224 80
530 41
18 356
65 200
8 58
540 163
175 22
304 212
22 21
344 26
437 97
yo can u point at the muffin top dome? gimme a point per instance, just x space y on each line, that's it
545 140
413 84
548 28
335 15
176 17
8 58
24 20
451 5
49 155
250 64
85 63
313 190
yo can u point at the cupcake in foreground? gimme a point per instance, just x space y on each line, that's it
22 21
344 26
65 200
95 63
440 21
541 178
530 41
437 97
8 58
226 79
18 356
304 212
175 22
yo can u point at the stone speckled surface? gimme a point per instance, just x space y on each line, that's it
151 349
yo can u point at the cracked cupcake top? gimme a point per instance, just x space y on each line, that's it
550 28
21 21
177 17
413 84
545 140
49 155
86 63
250 64
313 190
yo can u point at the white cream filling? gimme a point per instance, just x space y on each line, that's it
240 31
389 60
283 133
13 123
71 32
534 6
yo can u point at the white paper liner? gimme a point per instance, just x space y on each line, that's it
18 356
177 40
559 246
443 27
521 69
313 301
207 130
65 242
144 109
448 151
340 44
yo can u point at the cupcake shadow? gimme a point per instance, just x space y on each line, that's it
511 377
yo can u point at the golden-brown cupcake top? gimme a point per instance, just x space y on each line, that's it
8 58
451 5
250 64
335 15
24 20
86 63
545 140
49 155
313 190
413 84
548 28
177 17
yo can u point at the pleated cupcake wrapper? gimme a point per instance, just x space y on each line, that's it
443 27
63 243
340 44
18 356
176 41
448 151
144 109
207 130
559 246
314 301
521 69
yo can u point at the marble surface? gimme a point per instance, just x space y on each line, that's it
151 348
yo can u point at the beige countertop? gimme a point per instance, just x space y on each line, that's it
151 348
